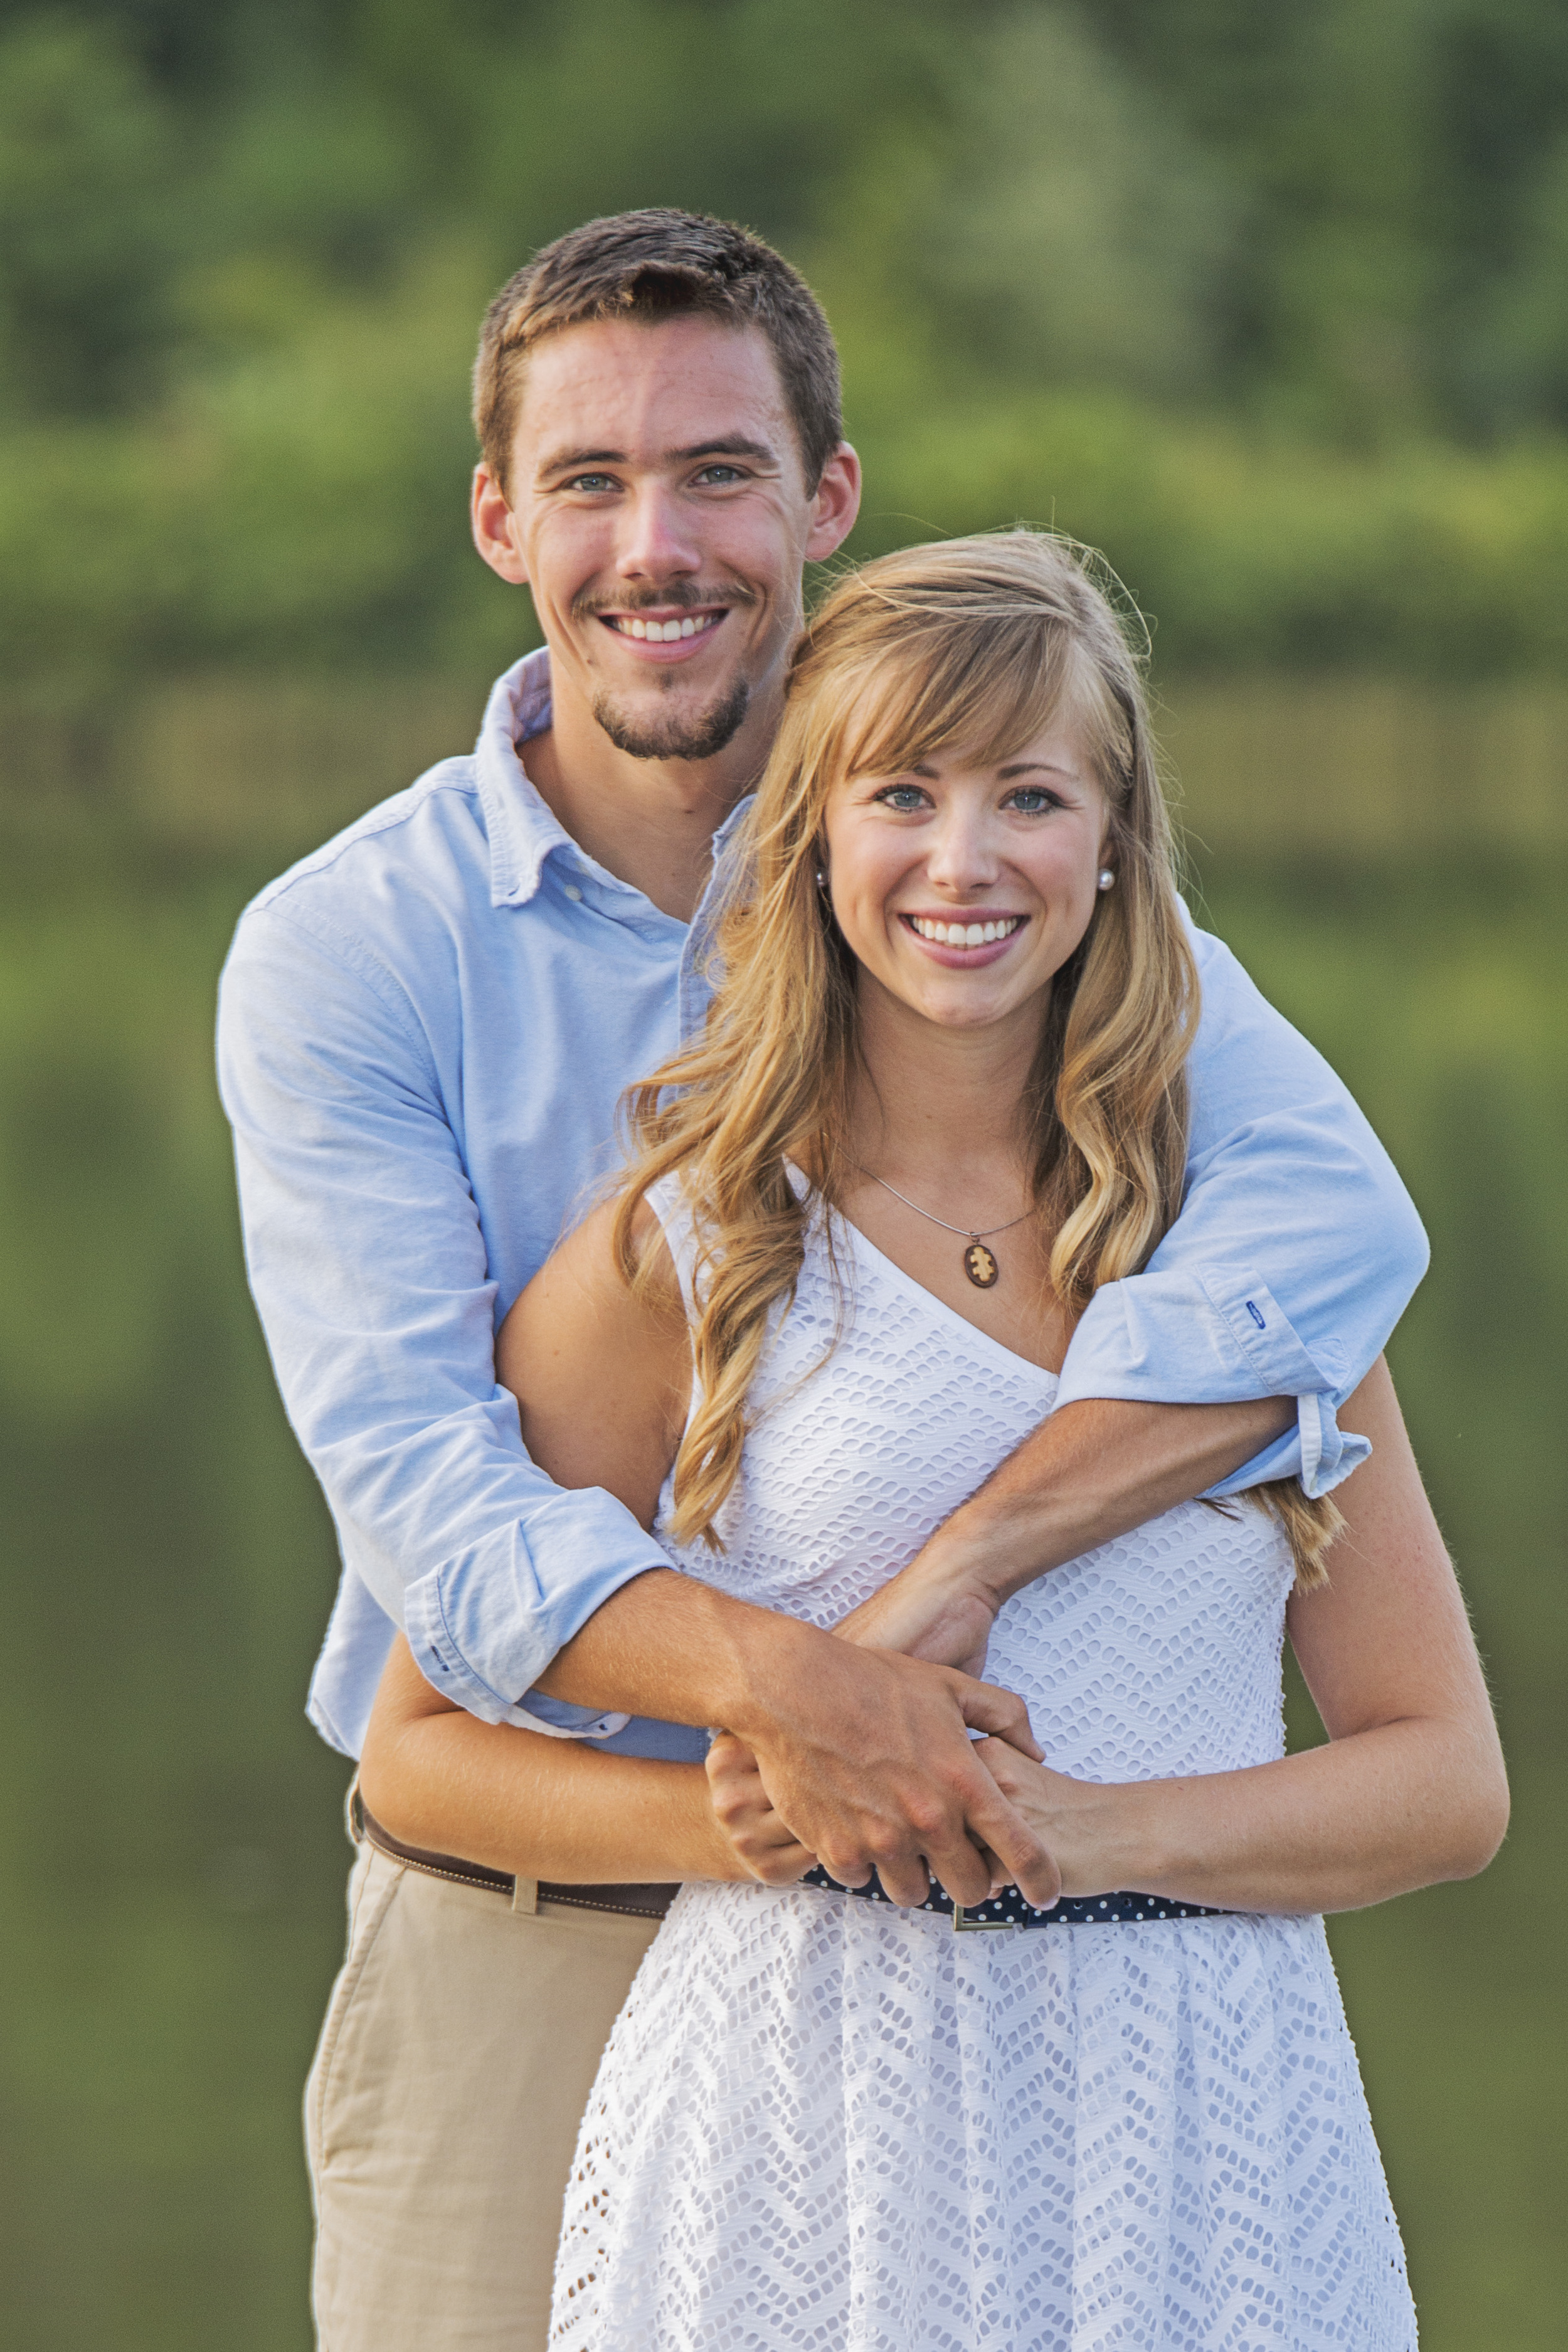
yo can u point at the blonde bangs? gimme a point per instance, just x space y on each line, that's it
987 690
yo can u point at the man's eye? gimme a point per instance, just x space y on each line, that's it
720 477
591 482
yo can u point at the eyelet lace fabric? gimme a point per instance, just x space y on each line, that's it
829 2126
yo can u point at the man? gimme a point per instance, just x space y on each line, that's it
424 1029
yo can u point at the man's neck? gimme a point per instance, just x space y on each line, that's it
649 822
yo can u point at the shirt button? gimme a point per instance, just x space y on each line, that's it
572 891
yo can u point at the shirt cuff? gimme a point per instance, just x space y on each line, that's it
485 1625
1216 1336
557 1719
1315 1450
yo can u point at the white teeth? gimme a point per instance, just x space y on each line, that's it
665 632
966 935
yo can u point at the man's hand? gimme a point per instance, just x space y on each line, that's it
941 1608
870 1767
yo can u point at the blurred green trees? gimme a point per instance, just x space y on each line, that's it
1271 302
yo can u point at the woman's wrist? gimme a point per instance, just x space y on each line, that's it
708 1855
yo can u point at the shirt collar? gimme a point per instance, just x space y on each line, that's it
522 827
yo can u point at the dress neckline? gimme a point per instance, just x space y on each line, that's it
890 1270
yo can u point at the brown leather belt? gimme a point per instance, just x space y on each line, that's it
638 1901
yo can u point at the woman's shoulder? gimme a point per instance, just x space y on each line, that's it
607 1292
595 1353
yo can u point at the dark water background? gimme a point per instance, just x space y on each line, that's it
171 1861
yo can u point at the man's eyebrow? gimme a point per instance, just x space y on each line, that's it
564 459
733 445
727 445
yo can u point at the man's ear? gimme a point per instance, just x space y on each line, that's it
494 526
835 505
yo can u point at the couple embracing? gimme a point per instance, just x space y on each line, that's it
838 1333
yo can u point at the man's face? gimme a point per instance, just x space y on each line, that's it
658 511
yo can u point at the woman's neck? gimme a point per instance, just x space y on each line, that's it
936 1110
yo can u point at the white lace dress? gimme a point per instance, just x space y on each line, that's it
826 2123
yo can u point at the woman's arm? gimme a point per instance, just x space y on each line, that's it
438 1777
1410 1787
601 1374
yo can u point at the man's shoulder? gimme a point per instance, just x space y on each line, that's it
1230 997
429 837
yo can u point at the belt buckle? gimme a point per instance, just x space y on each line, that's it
964 1925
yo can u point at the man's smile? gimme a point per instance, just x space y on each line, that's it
672 630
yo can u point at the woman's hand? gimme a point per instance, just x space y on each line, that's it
1091 1830
754 1832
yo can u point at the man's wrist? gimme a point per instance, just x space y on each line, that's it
981 1555
773 1663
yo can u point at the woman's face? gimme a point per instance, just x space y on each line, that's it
963 890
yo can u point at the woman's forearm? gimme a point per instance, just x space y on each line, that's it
1333 1829
540 1808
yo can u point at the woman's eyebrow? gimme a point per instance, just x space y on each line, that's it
1026 767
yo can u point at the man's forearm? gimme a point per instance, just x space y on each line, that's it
1089 1473
668 1647
1099 1468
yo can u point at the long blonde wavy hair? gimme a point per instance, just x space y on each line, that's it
979 644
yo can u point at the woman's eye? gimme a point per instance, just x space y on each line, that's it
1032 799
904 798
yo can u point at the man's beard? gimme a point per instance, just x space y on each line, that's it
697 736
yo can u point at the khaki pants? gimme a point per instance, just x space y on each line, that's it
441 2114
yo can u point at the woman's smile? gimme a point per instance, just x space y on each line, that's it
963 939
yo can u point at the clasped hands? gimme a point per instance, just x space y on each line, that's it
872 1764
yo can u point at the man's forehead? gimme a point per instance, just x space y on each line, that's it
613 391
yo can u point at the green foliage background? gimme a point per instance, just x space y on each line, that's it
1268 301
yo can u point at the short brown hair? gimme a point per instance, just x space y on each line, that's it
651 265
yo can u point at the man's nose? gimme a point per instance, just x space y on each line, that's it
656 539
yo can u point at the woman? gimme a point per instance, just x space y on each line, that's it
938 1102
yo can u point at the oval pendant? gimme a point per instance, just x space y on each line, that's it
981 1266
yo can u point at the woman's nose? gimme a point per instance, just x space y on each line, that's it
961 857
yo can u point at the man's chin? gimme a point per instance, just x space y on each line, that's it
674 734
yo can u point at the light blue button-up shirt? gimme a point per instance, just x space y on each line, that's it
423 1032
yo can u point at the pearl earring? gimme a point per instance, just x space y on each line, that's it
821 879
1106 878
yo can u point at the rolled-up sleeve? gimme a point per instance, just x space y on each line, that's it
369 1268
1297 1251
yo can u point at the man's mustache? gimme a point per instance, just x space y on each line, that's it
681 594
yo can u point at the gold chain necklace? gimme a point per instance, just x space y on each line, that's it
980 1263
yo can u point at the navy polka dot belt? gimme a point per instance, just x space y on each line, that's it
1011 1909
